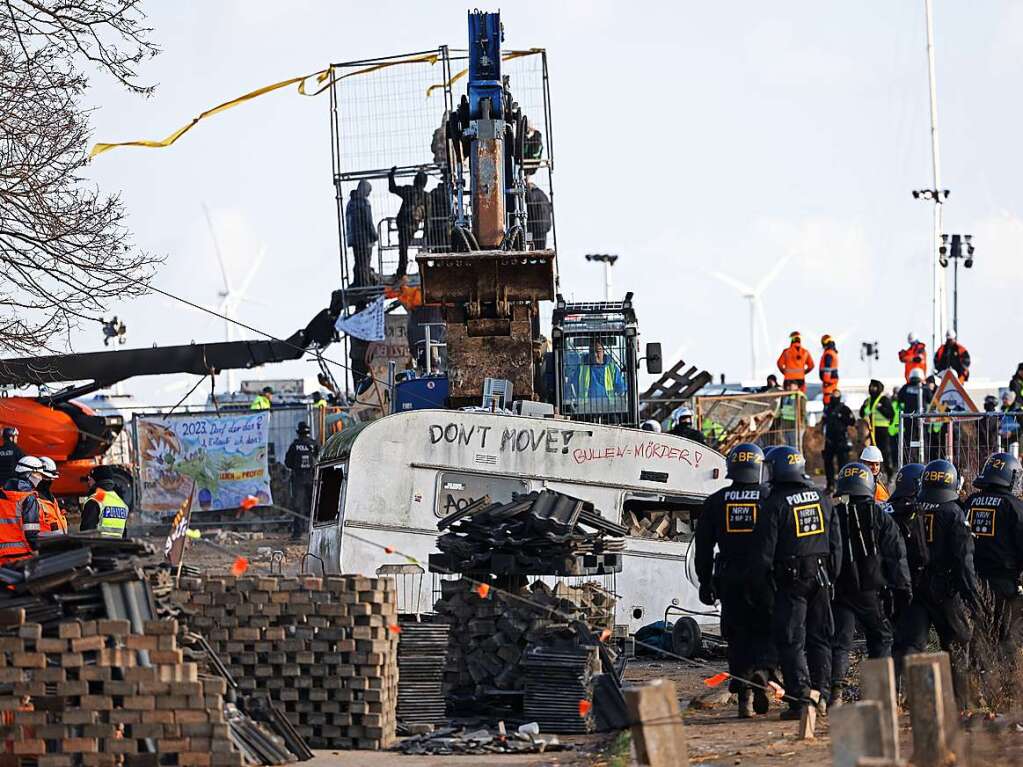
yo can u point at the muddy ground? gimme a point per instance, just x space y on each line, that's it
716 737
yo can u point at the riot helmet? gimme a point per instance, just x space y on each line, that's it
856 481
1001 470
303 429
787 465
745 463
907 481
10 434
939 483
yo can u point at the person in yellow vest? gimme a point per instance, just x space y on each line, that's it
872 457
105 511
878 412
319 401
599 377
263 400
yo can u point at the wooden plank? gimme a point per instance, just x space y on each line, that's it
877 684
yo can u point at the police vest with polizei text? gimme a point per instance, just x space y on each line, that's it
113 513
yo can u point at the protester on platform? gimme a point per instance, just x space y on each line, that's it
828 370
411 214
538 215
360 233
795 362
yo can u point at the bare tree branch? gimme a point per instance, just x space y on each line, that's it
64 249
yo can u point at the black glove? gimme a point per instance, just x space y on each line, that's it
903 597
707 595
394 169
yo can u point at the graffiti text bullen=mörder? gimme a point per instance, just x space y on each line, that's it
646 449
511 440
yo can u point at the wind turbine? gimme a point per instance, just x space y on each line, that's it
756 306
229 297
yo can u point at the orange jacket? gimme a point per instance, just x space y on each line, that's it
51 517
13 543
829 370
915 356
880 492
795 362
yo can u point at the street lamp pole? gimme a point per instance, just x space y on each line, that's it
608 261
958 247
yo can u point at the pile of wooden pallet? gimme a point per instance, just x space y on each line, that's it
494 633
97 692
323 649
540 533
666 525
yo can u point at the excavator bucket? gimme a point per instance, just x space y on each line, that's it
499 277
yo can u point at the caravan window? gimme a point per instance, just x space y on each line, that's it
456 490
660 517
328 494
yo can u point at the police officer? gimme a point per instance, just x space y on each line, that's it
799 543
104 511
301 459
995 517
728 521
682 425
948 583
10 454
903 507
874 558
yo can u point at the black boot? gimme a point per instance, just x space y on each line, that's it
761 702
792 713
836 696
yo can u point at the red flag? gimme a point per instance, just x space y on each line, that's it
241 564
715 680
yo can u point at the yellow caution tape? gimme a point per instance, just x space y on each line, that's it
504 57
320 76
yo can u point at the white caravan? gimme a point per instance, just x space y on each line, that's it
389 481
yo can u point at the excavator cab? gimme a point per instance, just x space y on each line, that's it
595 361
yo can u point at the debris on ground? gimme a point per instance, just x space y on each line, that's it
453 740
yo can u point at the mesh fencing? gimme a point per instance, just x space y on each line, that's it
391 112
765 418
965 439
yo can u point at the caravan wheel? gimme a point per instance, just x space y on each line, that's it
686 637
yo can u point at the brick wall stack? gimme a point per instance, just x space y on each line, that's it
322 648
87 697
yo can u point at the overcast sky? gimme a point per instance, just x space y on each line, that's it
690 136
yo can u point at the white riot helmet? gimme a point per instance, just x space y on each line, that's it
950 335
29 465
49 467
916 374
871 454
681 412
651 425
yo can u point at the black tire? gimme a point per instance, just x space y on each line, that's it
686 637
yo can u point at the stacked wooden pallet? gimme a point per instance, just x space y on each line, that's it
98 694
323 649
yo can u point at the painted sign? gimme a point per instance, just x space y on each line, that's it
394 347
224 458
574 442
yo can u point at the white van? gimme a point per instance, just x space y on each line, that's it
389 482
